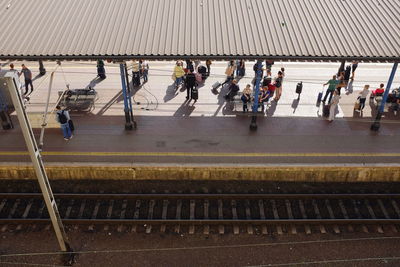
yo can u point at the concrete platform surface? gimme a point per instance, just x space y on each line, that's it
172 131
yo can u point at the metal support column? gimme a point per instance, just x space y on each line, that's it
253 124
42 70
127 96
38 165
376 125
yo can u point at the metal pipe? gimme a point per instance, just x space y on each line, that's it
376 125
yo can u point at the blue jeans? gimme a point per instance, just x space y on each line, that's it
145 75
178 81
66 130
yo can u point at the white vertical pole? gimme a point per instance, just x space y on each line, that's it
37 162
44 123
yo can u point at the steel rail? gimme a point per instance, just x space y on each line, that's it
204 196
204 221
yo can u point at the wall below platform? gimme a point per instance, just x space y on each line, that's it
282 173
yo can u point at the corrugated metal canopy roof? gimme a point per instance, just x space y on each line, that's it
168 29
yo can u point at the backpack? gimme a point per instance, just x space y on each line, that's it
63 119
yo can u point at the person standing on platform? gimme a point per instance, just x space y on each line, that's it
334 104
62 117
28 78
196 64
354 66
189 65
135 73
331 88
145 71
363 97
190 83
278 84
178 73
268 66
208 64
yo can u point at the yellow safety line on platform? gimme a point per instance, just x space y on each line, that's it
199 154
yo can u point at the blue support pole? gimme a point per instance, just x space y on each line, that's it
253 124
126 95
376 125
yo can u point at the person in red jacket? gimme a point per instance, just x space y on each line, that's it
379 91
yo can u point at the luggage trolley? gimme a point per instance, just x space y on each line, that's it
78 99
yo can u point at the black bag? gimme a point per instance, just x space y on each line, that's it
202 69
299 88
195 93
71 125
325 110
61 116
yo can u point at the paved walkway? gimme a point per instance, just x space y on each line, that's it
172 131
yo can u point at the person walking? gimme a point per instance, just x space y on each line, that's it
190 83
62 117
278 84
363 97
241 71
179 73
229 72
331 88
145 71
341 82
101 71
28 78
334 104
347 74
208 64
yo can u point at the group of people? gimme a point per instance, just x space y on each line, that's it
190 76
140 69
27 77
269 87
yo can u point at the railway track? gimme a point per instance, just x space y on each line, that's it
251 213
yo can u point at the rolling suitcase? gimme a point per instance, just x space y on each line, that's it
216 85
319 97
325 110
195 93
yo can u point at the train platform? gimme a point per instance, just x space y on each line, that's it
174 132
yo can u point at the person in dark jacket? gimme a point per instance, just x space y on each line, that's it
347 74
233 90
190 83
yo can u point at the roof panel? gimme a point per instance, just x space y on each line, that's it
311 29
